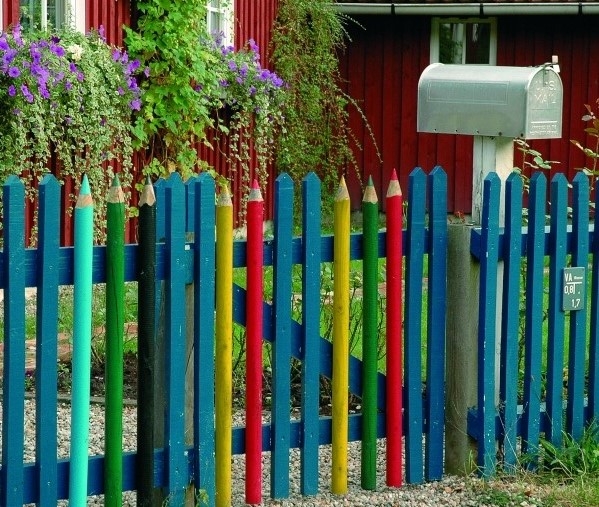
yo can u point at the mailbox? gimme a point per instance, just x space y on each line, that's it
484 100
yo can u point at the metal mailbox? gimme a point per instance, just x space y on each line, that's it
483 100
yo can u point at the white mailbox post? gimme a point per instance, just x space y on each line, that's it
495 105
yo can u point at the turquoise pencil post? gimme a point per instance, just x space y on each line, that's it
115 282
82 309
370 212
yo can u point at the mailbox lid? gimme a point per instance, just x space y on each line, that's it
490 101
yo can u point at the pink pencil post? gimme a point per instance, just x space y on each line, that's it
253 395
394 331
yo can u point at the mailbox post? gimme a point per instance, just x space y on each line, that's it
494 105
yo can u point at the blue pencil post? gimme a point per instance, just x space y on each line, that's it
82 308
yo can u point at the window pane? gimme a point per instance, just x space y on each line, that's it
464 43
478 40
450 42
31 14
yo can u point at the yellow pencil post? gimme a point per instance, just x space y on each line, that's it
224 347
340 379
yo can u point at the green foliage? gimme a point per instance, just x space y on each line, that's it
591 153
195 85
575 459
175 111
67 95
307 37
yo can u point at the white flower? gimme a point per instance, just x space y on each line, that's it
76 51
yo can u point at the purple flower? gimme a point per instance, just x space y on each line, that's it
26 93
12 91
252 91
43 89
264 75
16 112
68 85
68 120
132 67
224 83
239 80
57 50
147 72
243 70
4 43
132 83
80 77
253 46
73 67
232 65
116 54
276 81
102 33
120 90
135 104
14 72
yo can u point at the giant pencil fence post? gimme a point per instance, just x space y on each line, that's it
394 289
115 282
341 229
224 346
82 307
253 393
146 311
370 213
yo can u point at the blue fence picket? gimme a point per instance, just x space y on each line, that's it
413 424
556 317
281 350
593 396
13 396
508 389
174 357
576 356
47 332
204 294
437 274
533 330
311 333
488 324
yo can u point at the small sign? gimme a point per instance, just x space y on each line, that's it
574 289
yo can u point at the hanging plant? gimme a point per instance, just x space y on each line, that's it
67 95
199 86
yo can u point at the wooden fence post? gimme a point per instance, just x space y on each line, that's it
462 356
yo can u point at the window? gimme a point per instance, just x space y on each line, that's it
219 19
41 14
463 41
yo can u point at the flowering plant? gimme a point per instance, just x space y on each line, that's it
252 98
199 91
70 95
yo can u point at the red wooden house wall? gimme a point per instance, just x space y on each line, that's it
383 62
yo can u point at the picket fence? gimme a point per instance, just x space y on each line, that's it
203 265
558 350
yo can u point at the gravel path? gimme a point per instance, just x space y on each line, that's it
450 492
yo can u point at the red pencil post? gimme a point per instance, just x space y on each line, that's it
394 332
253 395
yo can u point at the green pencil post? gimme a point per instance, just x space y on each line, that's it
115 282
370 214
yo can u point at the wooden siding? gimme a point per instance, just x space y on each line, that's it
382 65
112 15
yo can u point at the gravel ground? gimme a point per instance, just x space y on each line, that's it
450 492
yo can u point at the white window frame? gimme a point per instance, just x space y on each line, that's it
436 22
74 8
224 11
